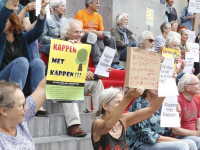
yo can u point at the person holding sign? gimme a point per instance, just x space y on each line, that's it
53 25
148 134
108 132
188 87
72 32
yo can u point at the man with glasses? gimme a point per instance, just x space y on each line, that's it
188 87
160 40
123 36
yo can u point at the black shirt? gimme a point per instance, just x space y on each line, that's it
172 16
13 50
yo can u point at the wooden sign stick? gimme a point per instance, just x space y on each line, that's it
195 26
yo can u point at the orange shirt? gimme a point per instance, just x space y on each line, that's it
89 21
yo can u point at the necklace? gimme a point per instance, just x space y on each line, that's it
114 129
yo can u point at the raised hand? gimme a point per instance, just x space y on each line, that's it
11 4
30 6
134 93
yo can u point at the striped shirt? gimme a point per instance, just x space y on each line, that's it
159 41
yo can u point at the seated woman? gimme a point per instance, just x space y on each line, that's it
174 25
108 132
16 113
148 134
53 25
16 63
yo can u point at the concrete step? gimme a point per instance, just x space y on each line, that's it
63 142
54 107
55 125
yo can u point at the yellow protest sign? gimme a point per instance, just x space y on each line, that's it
149 17
67 70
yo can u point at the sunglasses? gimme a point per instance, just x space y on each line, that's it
150 40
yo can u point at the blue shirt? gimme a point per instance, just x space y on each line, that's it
23 139
52 29
3 2
147 131
125 35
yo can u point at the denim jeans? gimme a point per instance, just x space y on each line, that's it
170 146
27 75
124 51
45 48
33 47
196 139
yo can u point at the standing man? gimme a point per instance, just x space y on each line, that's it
160 40
93 27
123 36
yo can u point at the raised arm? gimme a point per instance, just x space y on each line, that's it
103 126
39 95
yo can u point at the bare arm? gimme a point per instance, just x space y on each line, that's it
184 132
103 126
142 114
39 95
27 24
198 124
98 33
167 139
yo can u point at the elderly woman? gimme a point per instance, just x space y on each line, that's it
108 132
16 113
183 45
16 63
171 11
174 25
53 25
148 134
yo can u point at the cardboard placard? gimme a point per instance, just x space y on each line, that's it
149 17
194 48
189 57
142 69
67 70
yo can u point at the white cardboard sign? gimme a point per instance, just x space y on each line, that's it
194 48
169 115
194 6
189 57
105 62
167 84
191 36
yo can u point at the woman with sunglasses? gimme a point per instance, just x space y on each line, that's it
16 113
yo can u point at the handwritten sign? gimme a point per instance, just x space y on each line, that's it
149 17
167 84
194 6
142 68
191 36
194 48
105 62
38 8
67 71
169 114
189 57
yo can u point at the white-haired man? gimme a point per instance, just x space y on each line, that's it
146 41
72 31
188 87
93 24
123 36
160 40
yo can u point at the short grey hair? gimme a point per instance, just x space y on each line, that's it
55 3
67 28
182 30
185 80
142 38
173 37
6 94
164 26
89 1
173 22
106 97
120 17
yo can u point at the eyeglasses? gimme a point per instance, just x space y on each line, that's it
198 83
150 40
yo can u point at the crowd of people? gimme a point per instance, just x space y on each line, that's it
22 73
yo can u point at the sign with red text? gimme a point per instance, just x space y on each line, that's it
142 69
67 71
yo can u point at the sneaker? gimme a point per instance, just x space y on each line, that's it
117 67
42 113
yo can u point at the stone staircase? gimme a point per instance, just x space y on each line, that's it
50 133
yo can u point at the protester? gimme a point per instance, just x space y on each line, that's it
93 28
148 134
72 31
171 11
183 45
109 131
187 17
123 36
53 25
146 41
174 26
160 40
188 87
